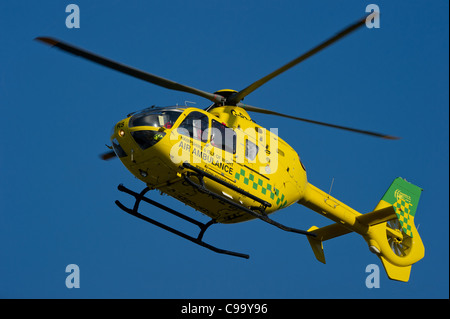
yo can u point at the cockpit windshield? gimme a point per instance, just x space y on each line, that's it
155 118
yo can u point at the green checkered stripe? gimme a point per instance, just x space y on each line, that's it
403 211
260 185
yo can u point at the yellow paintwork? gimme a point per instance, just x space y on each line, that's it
276 176
284 185
371 226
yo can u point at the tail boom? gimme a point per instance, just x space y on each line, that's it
389 230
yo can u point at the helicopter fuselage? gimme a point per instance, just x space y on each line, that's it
226 166
153 145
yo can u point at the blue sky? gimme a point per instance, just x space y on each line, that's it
57 197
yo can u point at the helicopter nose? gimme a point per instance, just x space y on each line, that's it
147 138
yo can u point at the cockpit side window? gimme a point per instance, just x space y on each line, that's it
223 137
195 125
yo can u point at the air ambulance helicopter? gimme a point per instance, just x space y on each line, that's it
220 162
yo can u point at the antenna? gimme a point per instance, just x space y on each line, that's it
332 181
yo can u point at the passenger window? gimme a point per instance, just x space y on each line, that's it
195 125
251 149
223 137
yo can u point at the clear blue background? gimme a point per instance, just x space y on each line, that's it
57 197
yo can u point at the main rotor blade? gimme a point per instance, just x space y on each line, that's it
129 70
108 155
264 111
252 87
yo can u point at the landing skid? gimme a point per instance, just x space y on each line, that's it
257 212
203 227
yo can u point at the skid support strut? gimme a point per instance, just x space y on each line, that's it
203 227
258 212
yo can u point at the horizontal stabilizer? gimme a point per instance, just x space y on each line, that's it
335 230
377 216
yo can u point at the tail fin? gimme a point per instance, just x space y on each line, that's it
405 244
404 197
389 230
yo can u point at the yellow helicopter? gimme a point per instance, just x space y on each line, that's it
220 162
